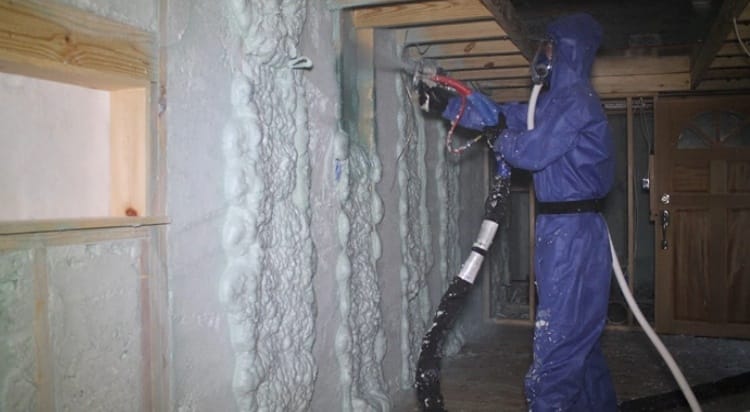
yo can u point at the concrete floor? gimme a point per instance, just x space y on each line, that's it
487 375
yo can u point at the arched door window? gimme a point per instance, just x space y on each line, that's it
716 129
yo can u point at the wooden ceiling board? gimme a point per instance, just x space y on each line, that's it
453 32
463 48
424 12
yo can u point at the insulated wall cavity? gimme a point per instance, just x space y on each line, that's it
18 365
267 284
95 326
71 335
360 342
415 231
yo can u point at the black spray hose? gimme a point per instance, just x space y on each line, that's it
427 382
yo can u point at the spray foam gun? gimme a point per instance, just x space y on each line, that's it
427 380
428 74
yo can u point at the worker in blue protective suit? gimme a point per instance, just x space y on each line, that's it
570 155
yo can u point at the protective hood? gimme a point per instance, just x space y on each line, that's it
577 38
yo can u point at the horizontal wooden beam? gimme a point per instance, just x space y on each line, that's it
464 48
63 225
732 73
347 4
486 62
423 12
732 48
723 84
641 84
487 74
505 15
724 62
629 65
494 67
720 29
60 43
646 83
452 32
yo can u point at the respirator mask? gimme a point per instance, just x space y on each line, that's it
541 64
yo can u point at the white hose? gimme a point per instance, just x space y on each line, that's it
532 106
676 372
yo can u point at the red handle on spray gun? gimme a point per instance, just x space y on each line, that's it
456 85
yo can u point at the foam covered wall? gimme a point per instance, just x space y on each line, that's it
304 256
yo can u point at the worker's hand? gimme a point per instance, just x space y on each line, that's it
433 99
491 133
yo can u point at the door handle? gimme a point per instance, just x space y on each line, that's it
664 225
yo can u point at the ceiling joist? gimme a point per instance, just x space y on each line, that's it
423 12
464 48
506 17
453 32
720 31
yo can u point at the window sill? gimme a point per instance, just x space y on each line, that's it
63 225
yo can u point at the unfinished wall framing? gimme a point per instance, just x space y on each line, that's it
63 44
84 300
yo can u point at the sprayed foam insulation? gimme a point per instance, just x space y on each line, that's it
416 250
267 284
18 391
360 340
421 259
95 329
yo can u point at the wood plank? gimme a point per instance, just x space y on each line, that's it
719 31
612 86
745 15
519 94
744 29
731 48
506 16
728 62
641 84
505 83
631 200
464 48
62 225
635 65
724 84
60 43
423 12
365 39
346 4
44 379
486 62
453 32
486 74
728 73
129 142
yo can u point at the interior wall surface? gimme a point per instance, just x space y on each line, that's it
72 303
63 127
202 55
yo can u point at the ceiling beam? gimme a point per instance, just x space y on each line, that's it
348 4
486 62
489 74
424 12
506 17
719 32
464 48
452 32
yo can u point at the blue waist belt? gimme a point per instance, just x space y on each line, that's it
575 206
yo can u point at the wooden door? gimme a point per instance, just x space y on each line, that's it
701 210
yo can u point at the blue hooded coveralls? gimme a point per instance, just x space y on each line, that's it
570 155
